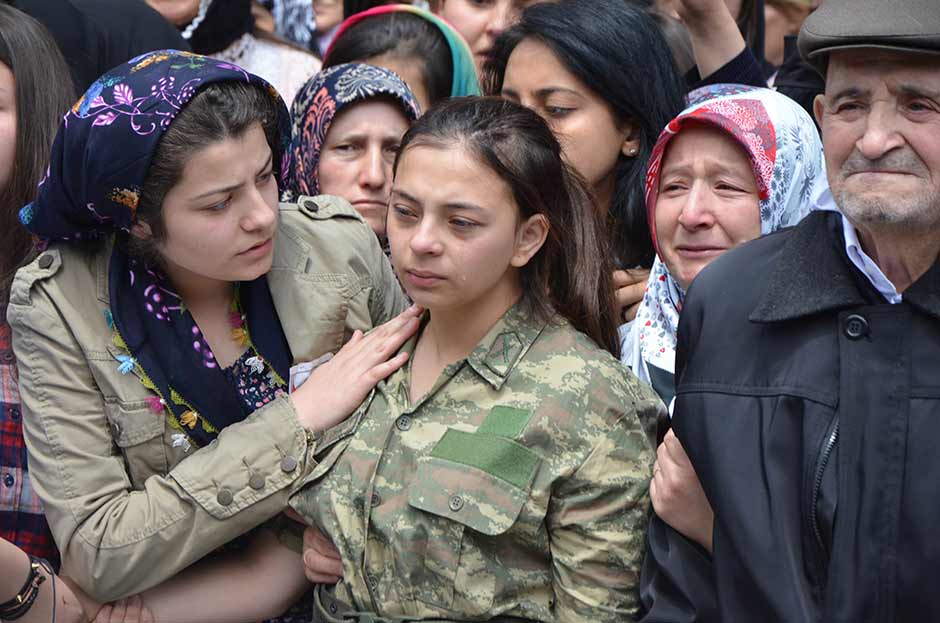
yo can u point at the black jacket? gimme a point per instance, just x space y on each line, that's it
809 407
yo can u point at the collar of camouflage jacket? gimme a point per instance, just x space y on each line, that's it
503 346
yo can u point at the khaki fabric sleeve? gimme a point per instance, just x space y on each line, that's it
598 525
388 298
116 541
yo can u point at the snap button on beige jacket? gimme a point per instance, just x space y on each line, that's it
128 507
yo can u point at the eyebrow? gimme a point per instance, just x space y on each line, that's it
450 205
544 92
233 187
916 90
851 92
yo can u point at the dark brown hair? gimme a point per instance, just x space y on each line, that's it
618 51
219 111
572 272
43 94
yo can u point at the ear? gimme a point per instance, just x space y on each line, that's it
141 230
819 104
529 239
631 142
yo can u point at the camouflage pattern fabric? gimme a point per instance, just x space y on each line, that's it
517 486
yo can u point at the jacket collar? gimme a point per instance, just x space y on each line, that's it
813 275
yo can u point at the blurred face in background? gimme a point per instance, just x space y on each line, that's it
782 18
592 138
481 21
7 124
328 14
357 156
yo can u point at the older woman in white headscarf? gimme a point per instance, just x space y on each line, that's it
738 163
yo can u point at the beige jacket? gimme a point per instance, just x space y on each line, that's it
126 510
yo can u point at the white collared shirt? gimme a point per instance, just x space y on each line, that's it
856 254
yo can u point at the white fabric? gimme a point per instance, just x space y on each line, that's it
856 253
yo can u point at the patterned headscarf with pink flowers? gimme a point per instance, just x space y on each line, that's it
786 156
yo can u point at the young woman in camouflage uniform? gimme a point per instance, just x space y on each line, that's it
502 473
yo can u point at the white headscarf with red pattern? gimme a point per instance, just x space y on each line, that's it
786 155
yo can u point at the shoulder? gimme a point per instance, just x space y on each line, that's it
324 235
596 384
65 274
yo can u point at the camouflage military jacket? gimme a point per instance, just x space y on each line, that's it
517 486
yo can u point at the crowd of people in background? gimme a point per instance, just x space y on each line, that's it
469 310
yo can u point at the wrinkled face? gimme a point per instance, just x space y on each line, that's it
453 229
481 21
328 14
7 124
708 201
357 156
591 136
220 218
880 119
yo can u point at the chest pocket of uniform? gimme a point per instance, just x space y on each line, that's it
138 433
470 490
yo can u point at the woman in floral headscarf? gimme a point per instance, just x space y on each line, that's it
347 123
164 316
738 163
782 162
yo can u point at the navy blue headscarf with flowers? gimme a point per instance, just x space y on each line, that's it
100 161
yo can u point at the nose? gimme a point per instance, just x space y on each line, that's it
260 214
374 172
425 240
502 17
881 134
697 212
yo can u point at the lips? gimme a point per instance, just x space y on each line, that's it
422 278
699 251
260 248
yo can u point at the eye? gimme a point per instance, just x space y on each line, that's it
728 187
220 206
556 112
920 106
345 148
404 212
671 187
462 223
266 177
848 107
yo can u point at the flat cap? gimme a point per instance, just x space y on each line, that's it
905 25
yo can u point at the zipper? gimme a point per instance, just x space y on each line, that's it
824 457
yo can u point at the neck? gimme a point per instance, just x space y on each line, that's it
903 255
452 334
199 291
604 193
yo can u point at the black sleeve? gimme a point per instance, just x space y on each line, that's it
742 69
676 583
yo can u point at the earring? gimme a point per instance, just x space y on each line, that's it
633 152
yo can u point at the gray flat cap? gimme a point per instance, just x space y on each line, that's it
906 25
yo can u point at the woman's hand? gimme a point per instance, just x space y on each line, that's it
629 287
322 562
128 610
677 494
337 387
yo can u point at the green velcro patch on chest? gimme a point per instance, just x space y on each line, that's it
506 422
500 457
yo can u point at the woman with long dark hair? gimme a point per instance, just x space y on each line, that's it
602 76
501 474
163 318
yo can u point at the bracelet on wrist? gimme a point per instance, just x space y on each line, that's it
21 603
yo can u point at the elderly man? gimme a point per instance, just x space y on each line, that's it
809 394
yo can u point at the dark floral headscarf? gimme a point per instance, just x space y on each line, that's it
100 160
318 103
103 150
